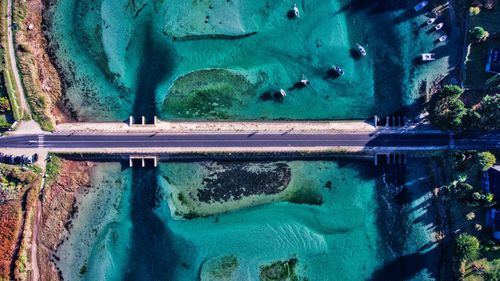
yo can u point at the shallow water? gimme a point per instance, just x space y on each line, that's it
121 57
124 229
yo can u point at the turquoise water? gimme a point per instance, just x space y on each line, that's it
124 229
122 58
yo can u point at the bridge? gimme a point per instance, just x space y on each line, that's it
248 142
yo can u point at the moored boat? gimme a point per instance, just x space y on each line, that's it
361 49
431 20
443 38
296 11
282 92
439 26
420 6
338 70
428 57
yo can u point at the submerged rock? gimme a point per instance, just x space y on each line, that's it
208 94
280 271
219 269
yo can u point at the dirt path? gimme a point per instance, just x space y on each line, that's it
35 272
13 62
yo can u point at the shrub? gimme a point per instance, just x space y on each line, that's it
473 11
467 247
476 196
486 160
479 34
4 104
489 110
470 216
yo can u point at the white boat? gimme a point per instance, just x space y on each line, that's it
428 57
439 26
431 20
420 6
443 38
361 50
338 70
282 92
296 11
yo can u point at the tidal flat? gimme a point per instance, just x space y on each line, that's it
228 60
126 226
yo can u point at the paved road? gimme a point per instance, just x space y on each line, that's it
249 140
13 62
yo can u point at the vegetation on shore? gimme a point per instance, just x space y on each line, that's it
18 193
483 35
39 77
467 203
448 112
54 165
7 86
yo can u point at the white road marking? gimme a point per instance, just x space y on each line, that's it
40 140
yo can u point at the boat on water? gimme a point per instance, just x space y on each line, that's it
282 92
420 6
439 26
431 20
296 11
443 38
304 82
338 70
361 49
428 57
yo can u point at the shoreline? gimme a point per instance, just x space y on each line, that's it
40 76
57 209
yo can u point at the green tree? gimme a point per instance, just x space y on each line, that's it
471 120
467 247
446 110
486 160
4 104
491 275
479 34
489 109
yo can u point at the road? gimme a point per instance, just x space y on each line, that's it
391 140
13 62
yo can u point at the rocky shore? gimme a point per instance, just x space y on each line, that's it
58 207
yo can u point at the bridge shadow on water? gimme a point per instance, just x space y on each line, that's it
157 63
152 256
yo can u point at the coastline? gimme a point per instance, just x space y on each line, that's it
58 199
40 77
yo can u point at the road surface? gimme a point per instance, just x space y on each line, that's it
380 140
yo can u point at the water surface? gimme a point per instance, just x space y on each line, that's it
125 229
122 58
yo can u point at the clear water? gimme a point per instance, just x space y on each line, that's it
122 58
124 229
